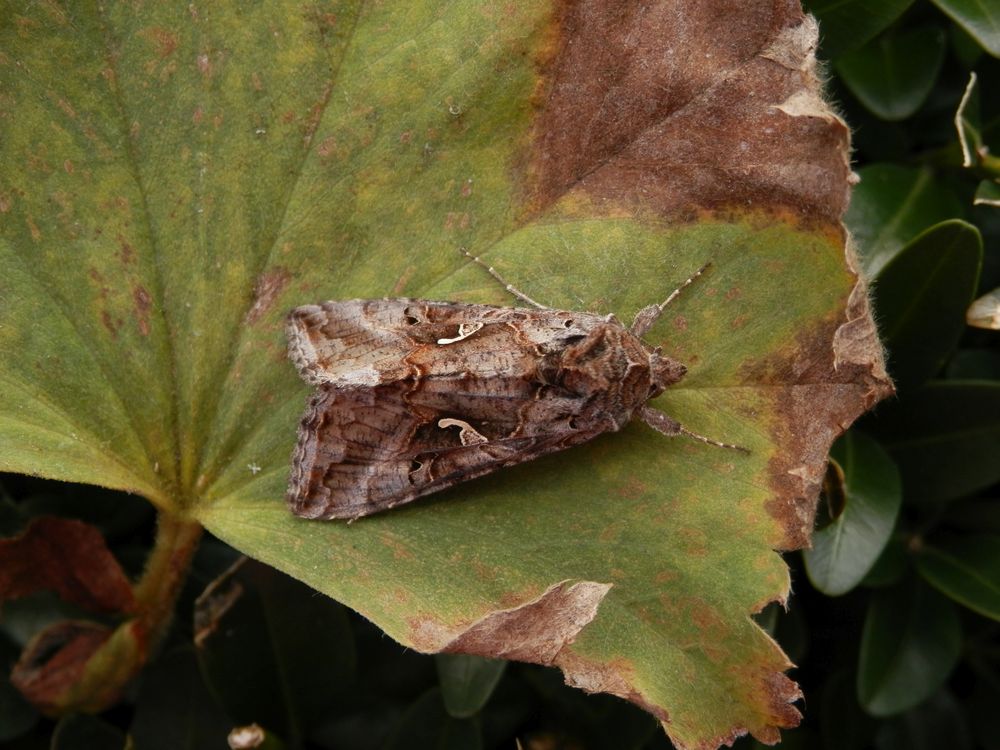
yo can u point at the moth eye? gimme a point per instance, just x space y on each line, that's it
572 423
411 320
567 323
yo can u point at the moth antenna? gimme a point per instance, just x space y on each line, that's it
496 275
701 438
687 282
670 427
647 316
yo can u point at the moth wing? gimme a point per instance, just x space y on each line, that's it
358 343
364 450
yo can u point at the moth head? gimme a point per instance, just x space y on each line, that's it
663 372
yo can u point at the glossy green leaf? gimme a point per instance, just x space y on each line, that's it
936 724
911 641
273 651
83 732
178 177
965 568
921 297
944 438
892 205
467 682
848 24
844 550
428 726
981 18
893 75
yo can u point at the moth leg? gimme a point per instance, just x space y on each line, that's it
647 316
671 427
496 275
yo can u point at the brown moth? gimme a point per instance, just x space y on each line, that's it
414 396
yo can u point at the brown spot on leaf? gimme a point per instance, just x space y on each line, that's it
143 302
819 385
534 631
662 106
110 323
163 39
269 286
327 147
68 557
126 253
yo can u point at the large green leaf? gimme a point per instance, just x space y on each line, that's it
178 176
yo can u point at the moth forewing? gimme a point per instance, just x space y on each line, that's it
415 396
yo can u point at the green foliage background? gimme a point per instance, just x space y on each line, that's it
893 622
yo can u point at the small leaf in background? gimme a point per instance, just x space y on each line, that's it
939 723
893 74
921 297
79 665
981 18
911 641
174 709
427 725
966 48
467 682
848 24
83 732
965 568
263 638
844 550
944 437
68 557
893 204
987 193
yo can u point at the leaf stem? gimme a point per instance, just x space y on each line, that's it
166 570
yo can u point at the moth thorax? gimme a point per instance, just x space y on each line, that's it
663 371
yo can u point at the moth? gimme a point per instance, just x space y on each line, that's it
414 396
